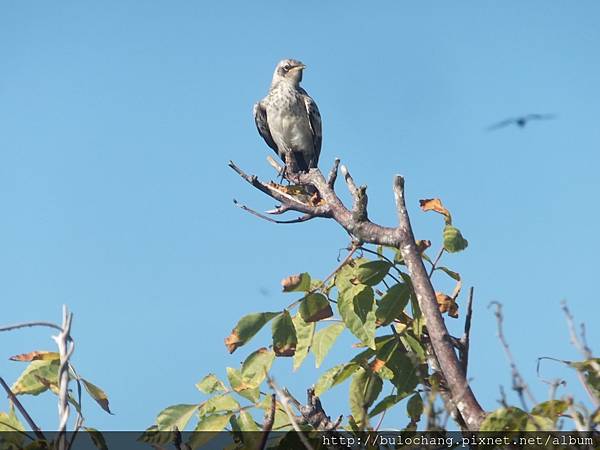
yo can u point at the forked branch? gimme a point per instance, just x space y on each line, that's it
355 221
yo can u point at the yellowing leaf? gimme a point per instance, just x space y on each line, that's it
295 283
238 384
304 332
97 394
315 307
212 423
209 384
36 356
246 328
175 416
37 377
284 335
256 366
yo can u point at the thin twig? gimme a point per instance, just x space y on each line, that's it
436 260
519 384
268 422
30 324
38 432
333 173
466 338
304 218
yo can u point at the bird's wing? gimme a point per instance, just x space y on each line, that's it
314 118
540 116
501 124
260 118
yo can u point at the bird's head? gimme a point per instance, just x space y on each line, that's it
289 70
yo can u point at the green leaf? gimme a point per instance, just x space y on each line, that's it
153 435
357 308
323 341
589 370
315 307
372 272
450 273
247 423
256 366
209 384
284 335
213 423
453 239
414 344
505 419
296 283
392 304
551 409
218 404
238 384
387 402
335 376
364 390
12 434
404 370
175 416
97 394
246 328
97 438
414 407
344 277
37 377
304 333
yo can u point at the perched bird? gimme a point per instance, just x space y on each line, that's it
289 120
520 121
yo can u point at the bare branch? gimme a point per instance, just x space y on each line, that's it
519 384
30 324
466 337
63 339
268 423
333 173
13 398
304 218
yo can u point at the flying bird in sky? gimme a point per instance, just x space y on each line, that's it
288 119
521 121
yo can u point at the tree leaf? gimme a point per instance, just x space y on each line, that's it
37 377
238 384
392 304
364 390
323 341
372 272
247 423
284 335
315 307
175 416
450 273
453 239
209 384
551 409
357 308
256 366
505 419
387 402
42 355
304 333
335 376
212 423
414 407
218 404
97 394
246 328
97 438
296 283
435 204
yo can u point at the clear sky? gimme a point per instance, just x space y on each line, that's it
117 120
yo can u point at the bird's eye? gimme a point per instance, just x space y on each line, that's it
286 67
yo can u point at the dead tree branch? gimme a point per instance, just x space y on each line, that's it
357 224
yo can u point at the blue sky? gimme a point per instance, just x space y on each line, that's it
117 121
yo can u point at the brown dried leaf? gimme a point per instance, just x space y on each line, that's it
447 304
377 365
435 204
42 355
299 282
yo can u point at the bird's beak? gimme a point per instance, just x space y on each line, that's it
299 67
